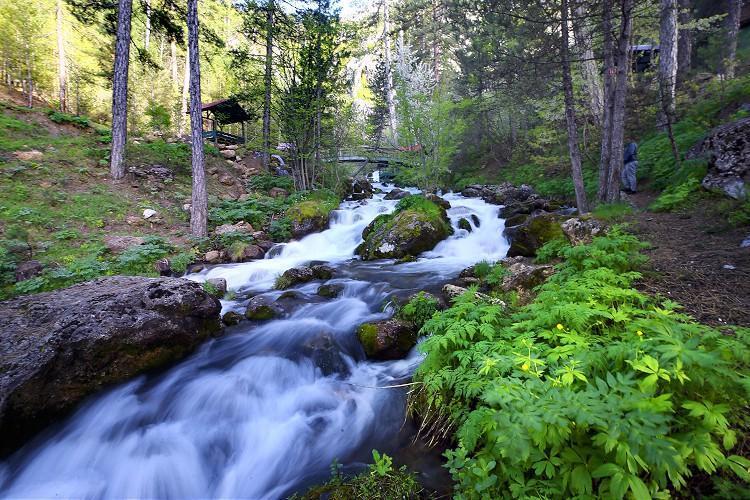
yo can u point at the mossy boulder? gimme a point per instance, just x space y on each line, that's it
464 224
527 238
303 274
416 226
330 291
311 212
388 339
262 308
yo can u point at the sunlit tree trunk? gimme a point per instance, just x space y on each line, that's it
734 9
185 92
199 205
173 62
147 34
667 61
268 83
120 90
62 67
390 93
570 116
609 78
685 41
589 69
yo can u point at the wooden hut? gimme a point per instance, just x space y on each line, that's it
219 114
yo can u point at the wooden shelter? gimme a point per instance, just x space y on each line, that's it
218 114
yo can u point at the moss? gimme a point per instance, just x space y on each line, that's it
261 313
464 224
368 336
312 205
282 282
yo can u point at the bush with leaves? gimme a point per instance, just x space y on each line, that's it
419 309
266 181
592 390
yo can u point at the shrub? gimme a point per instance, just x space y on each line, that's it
675 197
266 181
140 259
78 121
419 309
158 116
592 390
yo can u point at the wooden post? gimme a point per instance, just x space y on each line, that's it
213 126
244 138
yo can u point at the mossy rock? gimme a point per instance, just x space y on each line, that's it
231 318
387 340
330 291
464 224
530 236
416 226
311 214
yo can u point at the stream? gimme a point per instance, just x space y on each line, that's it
252 414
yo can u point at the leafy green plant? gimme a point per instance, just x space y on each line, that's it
140 259
419 309
675 197
592 390
266 181
612 211
158 116
78 121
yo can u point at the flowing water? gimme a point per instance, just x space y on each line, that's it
263 411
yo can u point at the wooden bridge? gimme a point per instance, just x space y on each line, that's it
367 159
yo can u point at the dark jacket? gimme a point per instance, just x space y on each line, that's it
630 153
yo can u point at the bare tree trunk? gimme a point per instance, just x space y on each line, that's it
685 41
268 82
318 120
609 77
29 76
147 35
199 205
436 41
589 70
734 8
62 67
667 62
570 117
120 90
390 92
185 92
620 97
173 61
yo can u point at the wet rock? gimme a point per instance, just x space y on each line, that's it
294 276
396 194
239 227
501 194
523 276
29 269
262 308
265 245
231 318
322 272
388 339
359 189
58 347
407 232
244 252
581 231
303 226
163 267
218 287
475 219
277 192
516 220
437 200
530 236
727 149
745 243
213 257
330 291
464 224
325 353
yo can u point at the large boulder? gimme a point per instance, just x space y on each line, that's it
581 231
239 227
523 276
727 149
58 347
500 194
409 231
437 200
387 339
303 274
396 194
262 308
359 189
530 236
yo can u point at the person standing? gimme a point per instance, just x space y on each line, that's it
630 161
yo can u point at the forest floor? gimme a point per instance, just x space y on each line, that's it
696 260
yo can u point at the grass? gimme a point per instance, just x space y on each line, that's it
613 212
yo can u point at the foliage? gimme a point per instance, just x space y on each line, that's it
78 121
159 118
266 181
591 390
615 212
419 309
676 196
381 481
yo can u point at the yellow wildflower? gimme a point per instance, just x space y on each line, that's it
559 326
525 367
639 333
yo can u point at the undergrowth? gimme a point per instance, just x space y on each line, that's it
592 390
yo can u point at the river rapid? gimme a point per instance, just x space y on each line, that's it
256 414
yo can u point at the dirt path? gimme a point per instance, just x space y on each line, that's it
696 261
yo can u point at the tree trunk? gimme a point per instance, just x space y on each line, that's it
390 97
120 90
199 205
570 117
667 62
609 77
173 62
62 67
620 97
589 70
185 92
685 42
147 35
732 30
29 76
268 82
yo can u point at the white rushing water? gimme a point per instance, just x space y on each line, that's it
263 411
